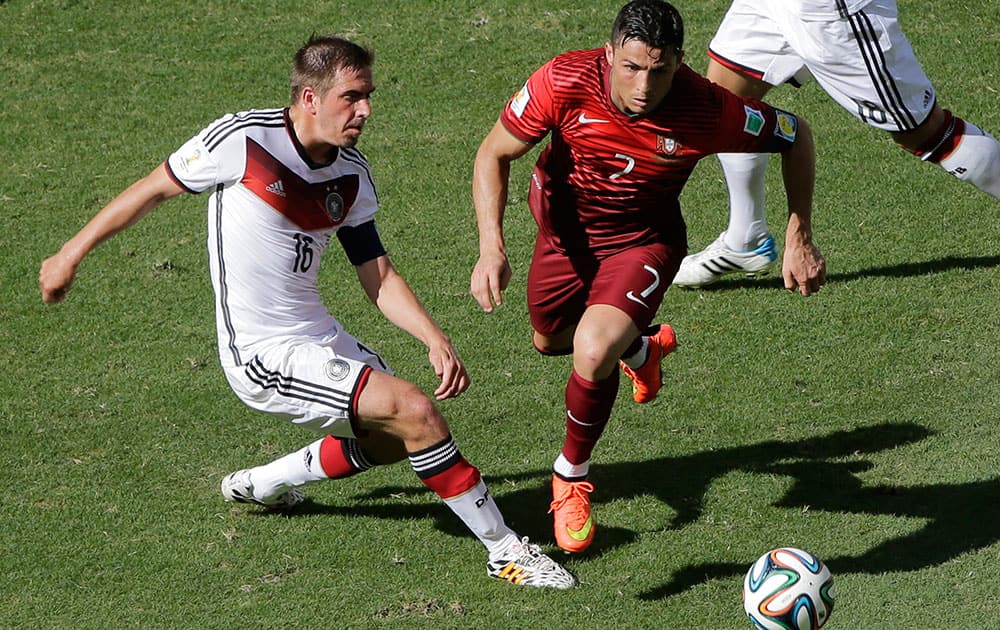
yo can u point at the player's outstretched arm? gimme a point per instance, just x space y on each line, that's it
390 292
490 181
58 272
803 266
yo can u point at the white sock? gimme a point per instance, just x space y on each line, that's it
480 513
976 160
292 470
745 177
564 468
636 360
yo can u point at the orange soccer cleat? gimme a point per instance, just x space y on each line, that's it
647 379
574 526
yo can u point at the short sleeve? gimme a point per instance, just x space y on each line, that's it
209 159
753 126
529 114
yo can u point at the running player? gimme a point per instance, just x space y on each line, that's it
858 54
628 124
282 182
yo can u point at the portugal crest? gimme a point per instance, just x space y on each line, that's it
666 145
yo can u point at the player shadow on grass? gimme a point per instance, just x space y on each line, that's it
902 270
959 517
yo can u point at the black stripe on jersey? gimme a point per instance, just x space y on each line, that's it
223 287
296 388
842 8
357 157
882 80
221 131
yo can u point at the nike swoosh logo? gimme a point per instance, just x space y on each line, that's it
583 120
581 534
632 297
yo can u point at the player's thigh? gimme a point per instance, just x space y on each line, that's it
634 280
557 290
866 64
315 383
751 41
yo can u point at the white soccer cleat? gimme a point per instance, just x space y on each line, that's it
524 564
718 259
238 487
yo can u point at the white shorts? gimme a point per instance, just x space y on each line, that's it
312 382
863 61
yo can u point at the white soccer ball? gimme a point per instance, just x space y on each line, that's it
788 589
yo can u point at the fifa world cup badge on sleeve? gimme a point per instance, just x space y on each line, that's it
520 100
785 126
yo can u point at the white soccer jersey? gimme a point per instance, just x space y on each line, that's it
271 214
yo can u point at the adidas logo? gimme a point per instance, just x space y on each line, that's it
277 188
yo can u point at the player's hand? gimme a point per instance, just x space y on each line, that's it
449 368
803 266
490 277
55 278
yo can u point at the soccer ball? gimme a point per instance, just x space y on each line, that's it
788 589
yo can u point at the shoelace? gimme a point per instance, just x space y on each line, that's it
530 555
576 491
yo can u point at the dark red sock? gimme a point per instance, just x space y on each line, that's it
588 408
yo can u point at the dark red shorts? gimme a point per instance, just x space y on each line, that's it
561 287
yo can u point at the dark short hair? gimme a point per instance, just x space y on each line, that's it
653 22
316 64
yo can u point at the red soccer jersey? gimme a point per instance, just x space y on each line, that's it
608 180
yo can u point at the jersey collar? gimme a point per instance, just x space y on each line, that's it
301 150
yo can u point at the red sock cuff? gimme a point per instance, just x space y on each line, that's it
458 479
341 458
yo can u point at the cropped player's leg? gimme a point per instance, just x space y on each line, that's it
276 484
746 246
885 87
398 408
957 146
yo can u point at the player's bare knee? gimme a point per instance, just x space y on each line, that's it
593 358
418 418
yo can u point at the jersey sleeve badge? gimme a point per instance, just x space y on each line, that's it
754 121
785 126
520 100
189 158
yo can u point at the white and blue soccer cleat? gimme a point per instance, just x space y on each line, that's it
718 259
